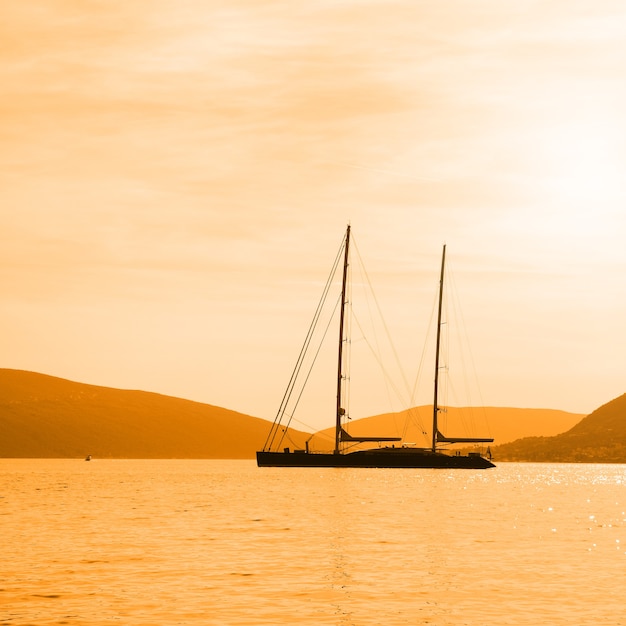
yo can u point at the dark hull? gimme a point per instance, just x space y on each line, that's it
379 457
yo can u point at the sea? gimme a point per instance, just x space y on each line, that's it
165 542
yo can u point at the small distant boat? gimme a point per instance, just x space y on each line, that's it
88 457
388 456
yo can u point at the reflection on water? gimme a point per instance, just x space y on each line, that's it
223 542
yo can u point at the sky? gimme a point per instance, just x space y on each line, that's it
176 177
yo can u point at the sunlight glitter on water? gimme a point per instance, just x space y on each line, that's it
224 542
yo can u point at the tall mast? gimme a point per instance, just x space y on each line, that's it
437 349
340 410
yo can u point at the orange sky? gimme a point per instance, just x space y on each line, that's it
177 176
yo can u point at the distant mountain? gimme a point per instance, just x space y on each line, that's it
503 424
46 417
43 416
598 438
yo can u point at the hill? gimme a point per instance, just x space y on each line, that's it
44 416
47 417
503 424
598 438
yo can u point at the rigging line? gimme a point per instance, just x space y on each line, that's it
462 349
380 313
314 433
456 340
299 365
324 440
467 425
286 434
391 388
444 365
269 442
467 354
347 339
302 387
377 351
318 433
424 349
414 415
378 359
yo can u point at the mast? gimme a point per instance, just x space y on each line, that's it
437 349
340 410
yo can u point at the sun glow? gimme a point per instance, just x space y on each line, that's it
578 173
581 165
586 163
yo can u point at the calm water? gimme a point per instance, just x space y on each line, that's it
225 543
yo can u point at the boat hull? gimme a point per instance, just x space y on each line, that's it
380 457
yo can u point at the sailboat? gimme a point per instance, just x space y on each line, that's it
388 455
